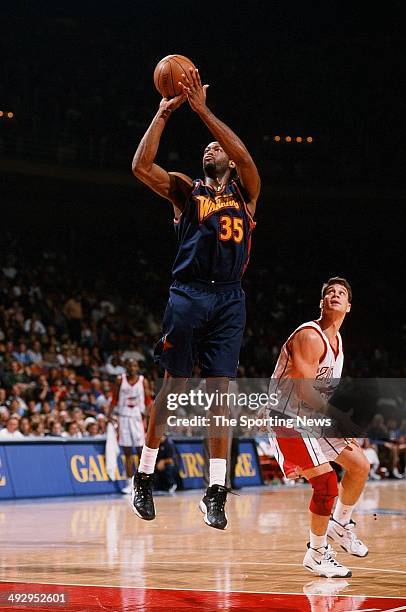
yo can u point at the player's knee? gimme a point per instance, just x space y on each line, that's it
360 466
357 464
325 490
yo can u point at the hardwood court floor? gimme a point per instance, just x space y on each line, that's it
99 541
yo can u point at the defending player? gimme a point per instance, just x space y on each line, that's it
309 366
205 316
130 392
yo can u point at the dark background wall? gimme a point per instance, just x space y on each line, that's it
79 82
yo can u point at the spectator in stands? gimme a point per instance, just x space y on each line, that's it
25 426
3 397
56 430
74 314
42 391
72 431
4 416
92 427
377 430
114 367
14 374
38 429
35 353
21 355
34 326
87 369
102 423
19 404
11 431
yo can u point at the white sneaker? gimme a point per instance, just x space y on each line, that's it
373 476
346 538
321 561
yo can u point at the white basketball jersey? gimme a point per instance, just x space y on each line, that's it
327 378
131 399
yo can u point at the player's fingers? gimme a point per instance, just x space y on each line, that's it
195 76
206 87
185 79
192 77
186 90
198 77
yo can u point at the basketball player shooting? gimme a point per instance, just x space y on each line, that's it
312 359
205 317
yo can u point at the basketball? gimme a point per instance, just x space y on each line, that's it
168 72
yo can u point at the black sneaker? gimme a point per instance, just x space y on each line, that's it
142 500
212 505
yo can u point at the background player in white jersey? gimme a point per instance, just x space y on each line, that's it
311 362
130 392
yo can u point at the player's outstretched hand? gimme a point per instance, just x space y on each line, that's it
194 90
171 104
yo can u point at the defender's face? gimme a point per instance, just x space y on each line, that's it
215 160
132 368
335 300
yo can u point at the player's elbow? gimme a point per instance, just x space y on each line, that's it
137 169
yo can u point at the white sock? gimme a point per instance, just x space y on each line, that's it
148 460
342 513
317 541
217 472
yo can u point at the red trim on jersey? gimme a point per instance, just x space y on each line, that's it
296 455
251 224
335 352
299 330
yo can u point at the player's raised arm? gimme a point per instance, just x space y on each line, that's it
173 186
232 145
306 349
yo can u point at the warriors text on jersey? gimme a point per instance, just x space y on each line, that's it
214 234
327 377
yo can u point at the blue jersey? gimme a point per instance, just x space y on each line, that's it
214 234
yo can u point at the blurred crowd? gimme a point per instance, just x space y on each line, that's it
61 349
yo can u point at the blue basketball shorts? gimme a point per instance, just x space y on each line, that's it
203 325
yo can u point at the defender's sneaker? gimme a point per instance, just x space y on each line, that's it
213 506
321 561
142 500
344 536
